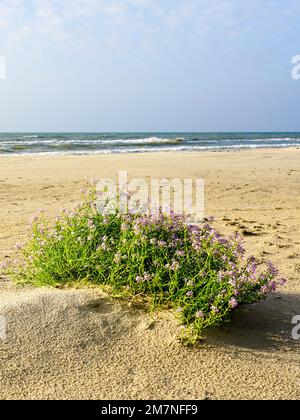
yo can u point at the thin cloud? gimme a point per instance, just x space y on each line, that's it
93 23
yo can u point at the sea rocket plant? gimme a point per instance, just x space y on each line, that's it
192 269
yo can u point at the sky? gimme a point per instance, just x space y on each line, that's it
149 65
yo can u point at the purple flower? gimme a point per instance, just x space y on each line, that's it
282 281
215 309
103 247
220 276
91 224
232 282
240 249
196 246
264 289
162 243
273 271
272 286
199 314
179 310
190 293
137 230
180 253
147 277
233 303
174 266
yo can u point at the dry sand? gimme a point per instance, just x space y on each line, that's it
79 344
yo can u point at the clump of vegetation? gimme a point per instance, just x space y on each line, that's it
194 270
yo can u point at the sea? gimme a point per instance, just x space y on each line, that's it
101 143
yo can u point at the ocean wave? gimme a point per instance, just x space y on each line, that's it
147 150
107 143
91 142
30 137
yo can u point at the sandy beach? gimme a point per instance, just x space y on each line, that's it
70 344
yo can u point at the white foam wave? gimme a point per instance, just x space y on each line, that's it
30 137
91 142
153 150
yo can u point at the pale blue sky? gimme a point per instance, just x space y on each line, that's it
149 65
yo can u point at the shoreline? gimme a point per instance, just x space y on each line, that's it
158 151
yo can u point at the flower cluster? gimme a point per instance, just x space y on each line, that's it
144 278
193 269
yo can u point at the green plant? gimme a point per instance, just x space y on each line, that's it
192 269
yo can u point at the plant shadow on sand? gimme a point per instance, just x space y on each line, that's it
263 326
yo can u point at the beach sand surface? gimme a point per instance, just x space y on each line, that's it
80 344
